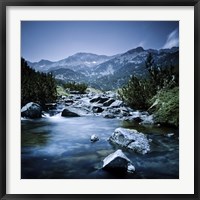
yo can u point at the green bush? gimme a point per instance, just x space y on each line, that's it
165 106
73 86
137 93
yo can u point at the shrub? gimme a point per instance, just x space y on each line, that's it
165 106
137 93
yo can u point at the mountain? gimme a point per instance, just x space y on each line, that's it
132 63
134 57
68 75
77 62
107 72
41 65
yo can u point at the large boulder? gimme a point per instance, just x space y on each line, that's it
118 161
130 139
31 110
68 113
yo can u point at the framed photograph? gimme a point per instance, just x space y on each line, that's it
99 99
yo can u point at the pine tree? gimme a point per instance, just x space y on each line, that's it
138 92
36 87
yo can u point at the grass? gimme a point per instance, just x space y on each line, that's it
61 91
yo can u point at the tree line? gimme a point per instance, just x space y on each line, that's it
36 86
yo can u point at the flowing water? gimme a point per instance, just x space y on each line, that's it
60 148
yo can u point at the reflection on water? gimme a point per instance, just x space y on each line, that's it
60 148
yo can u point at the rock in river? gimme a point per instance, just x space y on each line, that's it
108 115
108 102
116 104
97 109
68 113
94 138
99 99
31 110
131 139
118 161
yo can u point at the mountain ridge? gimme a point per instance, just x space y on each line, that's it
97 70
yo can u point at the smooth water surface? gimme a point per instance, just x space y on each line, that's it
60 148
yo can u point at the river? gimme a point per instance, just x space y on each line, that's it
60 148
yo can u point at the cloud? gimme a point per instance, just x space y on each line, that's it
141 44
172 40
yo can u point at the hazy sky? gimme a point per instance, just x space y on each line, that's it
55 40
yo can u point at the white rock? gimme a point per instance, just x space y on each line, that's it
170 135
94 138
131 168
111 94
147 119
31 110
131 139
118 160
116 103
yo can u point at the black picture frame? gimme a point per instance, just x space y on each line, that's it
5 3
